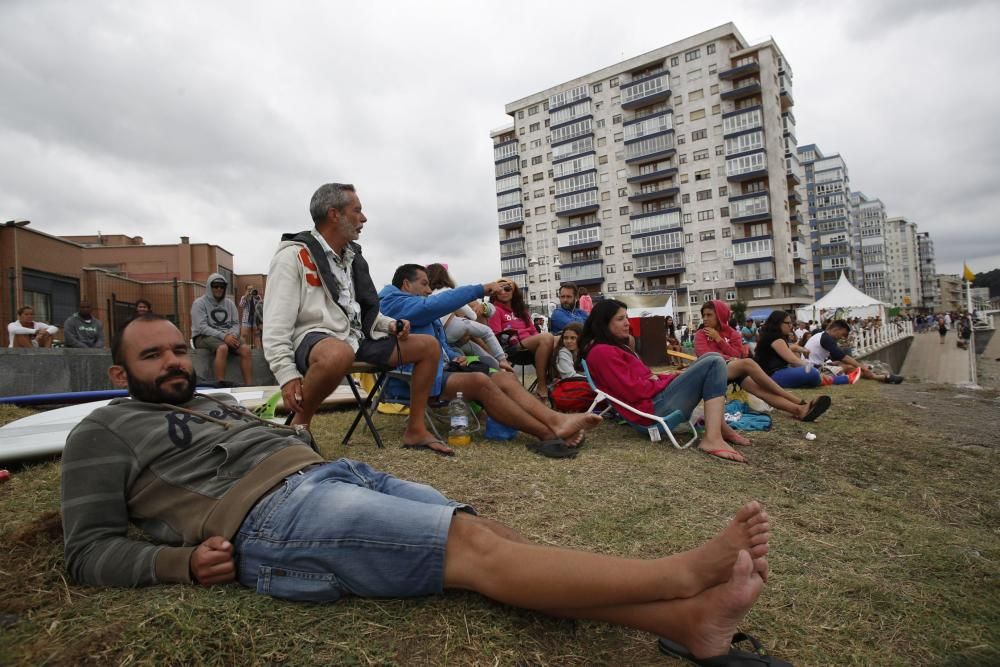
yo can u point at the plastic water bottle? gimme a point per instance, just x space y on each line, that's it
458 414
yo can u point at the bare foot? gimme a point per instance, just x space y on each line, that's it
428 439
731 435
718 447
569 426
716 613
711 563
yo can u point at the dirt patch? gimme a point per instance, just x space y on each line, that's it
964 418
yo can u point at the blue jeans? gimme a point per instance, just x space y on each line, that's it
793 377
705 379
343 528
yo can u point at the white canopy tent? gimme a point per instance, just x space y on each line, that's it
844 300
666 310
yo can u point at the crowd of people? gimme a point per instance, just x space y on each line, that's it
229 497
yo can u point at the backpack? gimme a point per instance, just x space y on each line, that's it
571 395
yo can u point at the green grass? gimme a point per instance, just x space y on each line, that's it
885 550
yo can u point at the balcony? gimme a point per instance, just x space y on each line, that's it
663 122
652 175
646 223
645 91
568 97
757 273
785 93
650 149
747 251
507 167
504 151
514 265
657 243
746 142
588 272
792 177
511 217
575 166
794 196
661 264
798 251
572 149
572 131
735 122
577 203
742 89
579 238
512 248
508 184
746 167
740 70
569 114
584 181
750 208
649 195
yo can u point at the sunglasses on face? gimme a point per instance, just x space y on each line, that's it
218 286
507 288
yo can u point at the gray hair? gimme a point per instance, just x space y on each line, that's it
330 195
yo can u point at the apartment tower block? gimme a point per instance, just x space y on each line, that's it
673 173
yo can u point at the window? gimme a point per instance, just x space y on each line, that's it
599 123
623 210
706 215
695 95
612 287
609 250
602 160
605 196
619 136
536 143
537 160
535 127
710 49
719 150
723 190
602 141
708 256
692 55
698 135
610 268
533 110
707 235
538 176
524 163
675 61
539 210
697 114
520 114
626 229
714 90
616 119
686 218
702 195
521 131
689 238
613 82
596 88
726 233
686 198
626 247
538 193
629 284
681 140
692 298
682 159
700 155
684 178
703 175
540 227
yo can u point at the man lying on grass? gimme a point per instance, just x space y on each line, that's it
228 497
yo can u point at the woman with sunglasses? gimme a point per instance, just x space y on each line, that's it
775 355
512 320
617 369
715 335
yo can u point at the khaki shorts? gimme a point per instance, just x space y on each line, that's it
210 343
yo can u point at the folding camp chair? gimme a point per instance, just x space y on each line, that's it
368 404
664 424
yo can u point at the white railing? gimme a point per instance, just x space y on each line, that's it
584 272
866 341
645 89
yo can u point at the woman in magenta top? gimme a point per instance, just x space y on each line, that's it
616 369
715 335
512 315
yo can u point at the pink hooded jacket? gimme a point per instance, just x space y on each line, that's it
730 345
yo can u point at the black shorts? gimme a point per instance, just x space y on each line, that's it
375 352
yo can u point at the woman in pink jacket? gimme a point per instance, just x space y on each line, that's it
512 316
715 335
616 369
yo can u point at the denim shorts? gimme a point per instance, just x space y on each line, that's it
705 379
343 528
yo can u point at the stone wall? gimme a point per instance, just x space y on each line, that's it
894 355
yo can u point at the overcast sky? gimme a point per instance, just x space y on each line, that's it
218 120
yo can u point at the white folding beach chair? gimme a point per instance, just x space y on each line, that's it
661 424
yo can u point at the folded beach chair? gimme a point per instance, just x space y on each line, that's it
662 425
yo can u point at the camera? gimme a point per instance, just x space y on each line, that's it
253 292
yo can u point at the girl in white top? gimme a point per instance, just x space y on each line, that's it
568 352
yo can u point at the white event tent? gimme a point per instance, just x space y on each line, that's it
846 298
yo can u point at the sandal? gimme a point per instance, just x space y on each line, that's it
735 657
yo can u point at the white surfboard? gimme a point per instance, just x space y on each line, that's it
44 434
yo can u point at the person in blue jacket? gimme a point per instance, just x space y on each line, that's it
505 399
567 311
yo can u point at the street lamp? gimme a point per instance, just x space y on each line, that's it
690 320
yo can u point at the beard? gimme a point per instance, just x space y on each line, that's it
154 392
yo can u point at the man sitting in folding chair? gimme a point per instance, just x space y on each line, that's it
505 399
322 313
617 371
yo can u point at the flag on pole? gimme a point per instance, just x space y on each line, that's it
967 273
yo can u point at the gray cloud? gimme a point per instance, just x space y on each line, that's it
218 120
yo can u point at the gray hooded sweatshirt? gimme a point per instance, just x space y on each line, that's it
211 317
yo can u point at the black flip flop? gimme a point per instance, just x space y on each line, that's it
735 657
427 445
553 449
819 406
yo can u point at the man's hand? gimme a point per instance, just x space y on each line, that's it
291 394
402 333
232 341
713 334
505 366
212 562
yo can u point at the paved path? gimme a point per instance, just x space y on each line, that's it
932 362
